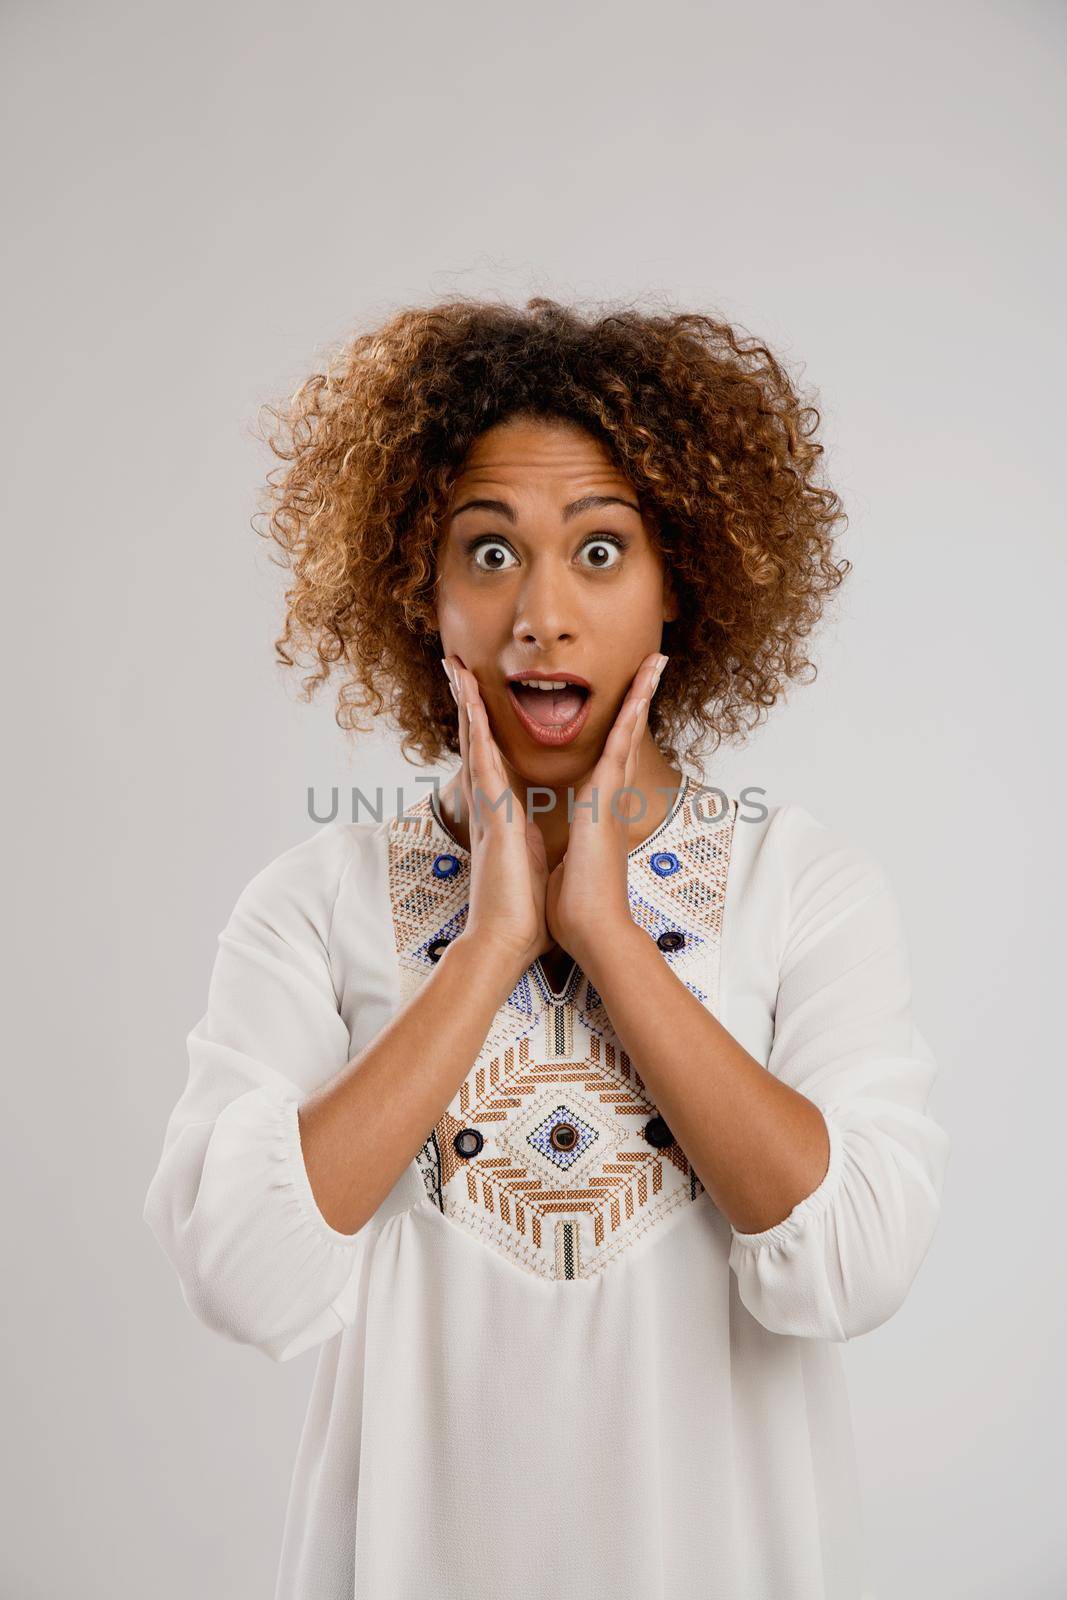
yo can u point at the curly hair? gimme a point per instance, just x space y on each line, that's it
706 424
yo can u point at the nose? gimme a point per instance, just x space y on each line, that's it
546 608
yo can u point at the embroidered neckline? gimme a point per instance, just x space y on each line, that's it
570 983
574 1207
679 801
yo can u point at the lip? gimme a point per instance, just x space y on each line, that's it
566 732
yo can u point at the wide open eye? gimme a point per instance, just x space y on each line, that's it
479 547
606 552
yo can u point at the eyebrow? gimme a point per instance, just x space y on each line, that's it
588 502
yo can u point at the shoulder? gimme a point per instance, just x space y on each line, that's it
827 876
814 852
792 873
299 888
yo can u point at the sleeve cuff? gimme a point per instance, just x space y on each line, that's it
291 1173
792 1228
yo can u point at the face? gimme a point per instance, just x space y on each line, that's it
546 566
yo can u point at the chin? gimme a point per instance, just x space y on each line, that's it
553 768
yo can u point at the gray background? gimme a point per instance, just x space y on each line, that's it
197 198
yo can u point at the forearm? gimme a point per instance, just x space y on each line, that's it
758 1146
363 1127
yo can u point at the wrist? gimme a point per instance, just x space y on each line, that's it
501 962
612 941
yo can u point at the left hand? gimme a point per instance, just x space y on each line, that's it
589 888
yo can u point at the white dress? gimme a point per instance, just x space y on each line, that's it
548 1365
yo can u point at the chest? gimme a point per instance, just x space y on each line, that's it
556 965
553 1152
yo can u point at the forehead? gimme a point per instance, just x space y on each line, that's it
538 454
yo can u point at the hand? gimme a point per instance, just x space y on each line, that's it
589 887
509 867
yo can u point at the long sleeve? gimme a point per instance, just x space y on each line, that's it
841 1263
230 1202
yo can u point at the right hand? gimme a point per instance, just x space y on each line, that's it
509 867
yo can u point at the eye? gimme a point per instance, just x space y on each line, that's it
602 544
476 547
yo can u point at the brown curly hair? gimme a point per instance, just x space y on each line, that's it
705 423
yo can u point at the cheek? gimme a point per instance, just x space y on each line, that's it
633 611
453 602
466 618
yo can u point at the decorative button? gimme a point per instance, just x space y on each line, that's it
468 1142
446 866
664 863
657 1133
562 1137
436 950
671 939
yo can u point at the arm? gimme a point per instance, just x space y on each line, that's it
758 1146
265 1216
826 1163
369 1122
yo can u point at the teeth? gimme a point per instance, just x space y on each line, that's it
541 683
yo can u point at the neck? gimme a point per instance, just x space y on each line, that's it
656 783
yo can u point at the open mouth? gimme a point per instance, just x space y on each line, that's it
554 712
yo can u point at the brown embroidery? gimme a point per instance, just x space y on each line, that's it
559 1108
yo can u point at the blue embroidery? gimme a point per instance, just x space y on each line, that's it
664 863
445 866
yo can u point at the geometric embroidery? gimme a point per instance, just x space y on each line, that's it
562 1137
567 1264
563 1178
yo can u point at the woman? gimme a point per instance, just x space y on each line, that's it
576 1115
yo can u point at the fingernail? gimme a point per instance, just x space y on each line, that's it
451 680
659 670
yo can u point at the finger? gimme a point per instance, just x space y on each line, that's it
636 735
635 802
500 766
483 757
626 732
483 730
615 770
651 671
642 686
632 718
640 723
643 682
464 741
